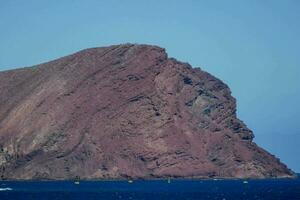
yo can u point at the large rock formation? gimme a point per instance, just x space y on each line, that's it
124 111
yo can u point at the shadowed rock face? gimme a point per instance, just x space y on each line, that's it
125 111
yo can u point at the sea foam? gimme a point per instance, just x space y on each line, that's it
5 189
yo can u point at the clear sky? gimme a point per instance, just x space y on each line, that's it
252 45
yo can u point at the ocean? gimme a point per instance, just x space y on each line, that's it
285 189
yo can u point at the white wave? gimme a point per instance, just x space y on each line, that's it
5 189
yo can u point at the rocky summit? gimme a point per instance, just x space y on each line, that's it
124 111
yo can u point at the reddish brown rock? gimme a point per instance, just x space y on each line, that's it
124 111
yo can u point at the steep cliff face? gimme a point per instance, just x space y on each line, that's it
123 111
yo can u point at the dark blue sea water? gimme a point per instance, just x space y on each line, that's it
285 189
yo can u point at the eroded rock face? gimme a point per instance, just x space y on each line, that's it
124 111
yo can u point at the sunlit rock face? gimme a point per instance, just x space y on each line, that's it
124 111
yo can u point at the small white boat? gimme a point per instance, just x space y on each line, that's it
245 182
169 180
130 181
77 180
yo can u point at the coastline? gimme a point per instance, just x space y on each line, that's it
296 176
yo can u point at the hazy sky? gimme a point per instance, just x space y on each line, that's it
253 46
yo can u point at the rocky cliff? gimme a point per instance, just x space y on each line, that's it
124 111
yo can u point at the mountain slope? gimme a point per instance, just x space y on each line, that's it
123 111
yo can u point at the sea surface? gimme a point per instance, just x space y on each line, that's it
285 189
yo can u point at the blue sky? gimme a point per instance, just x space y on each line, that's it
253 46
